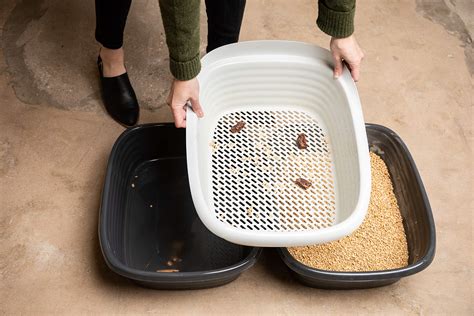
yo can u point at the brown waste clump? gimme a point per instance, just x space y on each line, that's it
378 244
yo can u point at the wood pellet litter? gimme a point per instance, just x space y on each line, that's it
378 244
250 211
167 270
214 146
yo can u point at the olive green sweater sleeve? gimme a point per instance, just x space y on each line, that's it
181 23
336 17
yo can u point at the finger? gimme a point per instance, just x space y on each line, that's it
337 66
169 99
355 71
196 105
179 115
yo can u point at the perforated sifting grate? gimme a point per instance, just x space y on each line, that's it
254 172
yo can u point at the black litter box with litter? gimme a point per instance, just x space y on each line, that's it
414 208
148 229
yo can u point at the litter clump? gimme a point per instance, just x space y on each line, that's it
237 127
303 183
301 141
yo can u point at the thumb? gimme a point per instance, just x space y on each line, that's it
337 66
197 107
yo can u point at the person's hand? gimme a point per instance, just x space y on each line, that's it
180 93
346 50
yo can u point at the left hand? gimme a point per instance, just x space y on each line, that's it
180 93
346 50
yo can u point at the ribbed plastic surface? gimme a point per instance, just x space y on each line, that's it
254 172
279 89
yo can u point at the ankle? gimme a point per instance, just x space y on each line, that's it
112 56
112 61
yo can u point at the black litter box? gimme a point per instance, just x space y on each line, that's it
148 229
417 220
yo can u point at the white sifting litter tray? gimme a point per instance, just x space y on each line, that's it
243 184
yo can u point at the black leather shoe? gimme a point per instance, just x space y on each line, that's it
119 98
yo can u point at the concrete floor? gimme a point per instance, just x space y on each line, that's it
55 138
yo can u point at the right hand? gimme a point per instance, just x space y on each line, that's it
346 50
182 92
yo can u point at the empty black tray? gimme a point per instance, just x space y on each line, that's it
148 226
417 220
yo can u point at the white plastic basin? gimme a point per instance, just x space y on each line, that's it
243 184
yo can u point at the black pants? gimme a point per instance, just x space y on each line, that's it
224 18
